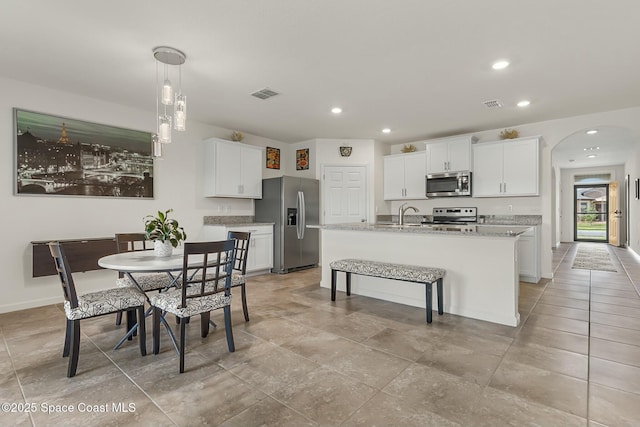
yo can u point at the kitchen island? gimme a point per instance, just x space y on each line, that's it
481 263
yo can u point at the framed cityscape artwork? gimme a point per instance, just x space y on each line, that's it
58 156
273 158
302 159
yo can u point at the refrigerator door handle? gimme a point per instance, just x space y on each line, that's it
298 214
303 214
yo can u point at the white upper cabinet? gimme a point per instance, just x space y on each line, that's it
506 168
449 154
404 176
232 169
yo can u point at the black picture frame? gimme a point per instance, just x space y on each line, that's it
637 188
60 156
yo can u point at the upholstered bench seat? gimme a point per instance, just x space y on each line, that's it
385 270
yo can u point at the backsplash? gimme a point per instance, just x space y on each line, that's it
228 220
486 219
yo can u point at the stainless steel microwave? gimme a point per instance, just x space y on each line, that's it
449 184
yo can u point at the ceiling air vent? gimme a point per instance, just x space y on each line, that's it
494 103
265 93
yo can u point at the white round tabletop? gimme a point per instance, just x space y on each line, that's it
146 261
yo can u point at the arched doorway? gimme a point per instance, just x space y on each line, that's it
583 162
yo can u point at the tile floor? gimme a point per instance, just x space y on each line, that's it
302 360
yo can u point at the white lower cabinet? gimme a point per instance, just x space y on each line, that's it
260 256
528 255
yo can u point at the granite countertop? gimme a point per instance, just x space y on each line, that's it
480 230
239 224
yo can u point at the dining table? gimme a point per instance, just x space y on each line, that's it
144 262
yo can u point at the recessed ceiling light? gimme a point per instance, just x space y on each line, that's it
524 103
500 65
591 156
592 131
590 148
386 130
336 110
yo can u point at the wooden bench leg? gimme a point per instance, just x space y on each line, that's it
429 296
440 298
348 283
334 276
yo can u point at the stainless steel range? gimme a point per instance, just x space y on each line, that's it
456 216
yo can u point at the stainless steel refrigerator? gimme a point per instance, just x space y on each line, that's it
293 204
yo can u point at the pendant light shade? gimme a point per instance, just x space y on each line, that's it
180 112
167 97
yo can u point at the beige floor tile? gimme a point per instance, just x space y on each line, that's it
579 295
613 407
474 366
626 302
449 396
559 323
553 338
401 344
614 375
360 362
386 410
565 302
267 412
556 310
615 309
273 370
559 391
550 359
615 320
612 333
208 401
617 352
325 396
498 408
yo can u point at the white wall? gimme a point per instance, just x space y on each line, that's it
326 152
177 185
567 180
632 168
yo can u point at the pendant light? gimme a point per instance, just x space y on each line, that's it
167 97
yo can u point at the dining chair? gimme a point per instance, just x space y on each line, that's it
238 278
93 304
198 294
133 242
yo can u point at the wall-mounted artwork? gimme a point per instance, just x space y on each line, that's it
273 158
637 187
58 156
302 159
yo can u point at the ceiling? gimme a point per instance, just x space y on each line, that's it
421 68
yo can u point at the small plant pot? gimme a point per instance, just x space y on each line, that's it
162 249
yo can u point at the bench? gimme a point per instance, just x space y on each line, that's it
407 273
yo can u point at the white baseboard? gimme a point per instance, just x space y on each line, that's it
8 308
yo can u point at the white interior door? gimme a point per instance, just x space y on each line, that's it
344 194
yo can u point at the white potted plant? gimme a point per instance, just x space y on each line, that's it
166 233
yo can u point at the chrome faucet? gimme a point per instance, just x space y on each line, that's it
402 210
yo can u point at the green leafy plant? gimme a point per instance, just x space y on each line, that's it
161 228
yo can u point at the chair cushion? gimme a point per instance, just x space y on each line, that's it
170 302
104 302
148 282
237 279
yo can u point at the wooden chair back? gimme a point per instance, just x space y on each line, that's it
215 268
130 242
241 242
64 273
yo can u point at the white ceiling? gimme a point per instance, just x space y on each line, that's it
421 68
